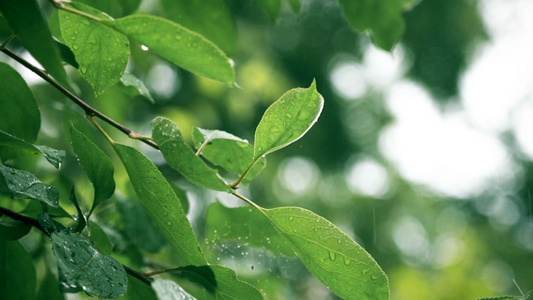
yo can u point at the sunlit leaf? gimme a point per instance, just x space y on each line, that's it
168 289
215 282
181 157
101 52
53 156
26 20
287 119
233 154
81 267
177 44
129 6
329 254
138 226
99 238
17 273
96 164
506 298
24 185
130 80
19 115
162 205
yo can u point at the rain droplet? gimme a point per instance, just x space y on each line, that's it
365 271
340 241
291 218
169 223
231 62
144 48
75 47
332 255
374 276
347 261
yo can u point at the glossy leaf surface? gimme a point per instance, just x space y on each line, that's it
81 267
181 157
101 52
17 273
130 80
162 205
287 119
329 254
53 156
168 289
177 44
24 184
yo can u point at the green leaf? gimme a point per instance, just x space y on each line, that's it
507 297
244 223
162 205
96 164
66 54
287 119
271 7
295 4
53 156
177 44
215 282
210 18
82 221
49 288
101 52
222 149
382 19
34 209
130 80
19 115
99 238
329 254
26 20
129 6
168 289
13 230
138 290
24 185
138 226
81 267
181 157
17 273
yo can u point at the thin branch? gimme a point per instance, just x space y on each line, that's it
34 223
89 110
9 38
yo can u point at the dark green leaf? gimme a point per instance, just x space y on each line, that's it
24 184
129 6
130 80
381 18
49 288
295 4
210 18
138 290
244 224
271 7
215 282
99 238
287 119
329 254
53 156
162 205
48 224
138 226
13 230
168 289
233 154
17 273
101 52
81 267
96 164
19 115
82 221
67 55
181 157
178 44
34 209
26 20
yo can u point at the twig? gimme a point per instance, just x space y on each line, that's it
89 110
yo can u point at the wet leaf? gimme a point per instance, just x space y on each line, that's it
161 204
287 119
53 156
101 52
130 80
225 150
81 267
96 164
329 254
19 115
24 185
17 273
177 44
181 157
168 289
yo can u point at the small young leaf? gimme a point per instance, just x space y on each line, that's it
162 205
96 164
53 156
233 154
17 273
181 157
24 184
101 52
26 20
178 44
19 115
329 254
215 282
287 119
81 267
168 289
99 238
130 80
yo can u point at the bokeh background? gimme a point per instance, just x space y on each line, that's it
422 155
